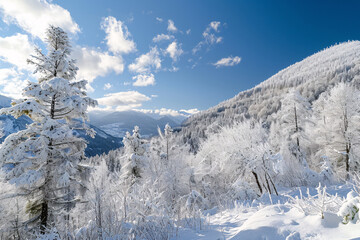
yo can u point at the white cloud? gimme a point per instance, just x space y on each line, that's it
16 49
143 80
174 50
107 86
210 38
228 62
188 31
162 37
122 101
171 26
35 16
117 36
146 62
215 25
169 112
11 81
190 111
159 19
93 63
166 111
154 96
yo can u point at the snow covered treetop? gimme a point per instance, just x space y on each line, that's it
56 63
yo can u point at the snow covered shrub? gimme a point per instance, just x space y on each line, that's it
327 175
195 205
196 201
237 153
51 234
154 228
241 190
317 204
349 210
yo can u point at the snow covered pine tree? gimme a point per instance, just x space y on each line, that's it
135 152
43 160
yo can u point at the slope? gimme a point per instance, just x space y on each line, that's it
311 77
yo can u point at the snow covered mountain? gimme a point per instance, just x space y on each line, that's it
118 123
311 76
102 142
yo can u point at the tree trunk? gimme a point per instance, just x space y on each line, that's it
347 145
44 205
296 127
43 217
267 183
347 160
257 181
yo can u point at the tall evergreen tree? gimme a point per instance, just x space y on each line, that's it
135 152
43 160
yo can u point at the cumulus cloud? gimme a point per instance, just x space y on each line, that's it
162 37
174 50
16 49
169 112
190 111
228 62
93 63
171 26
117 36
35 16
143 80
210 38
11 81
146 62
122 101
215 25
107 86
159 19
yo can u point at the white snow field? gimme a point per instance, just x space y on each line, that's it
277 217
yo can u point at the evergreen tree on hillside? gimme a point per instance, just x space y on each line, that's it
43 160
135 152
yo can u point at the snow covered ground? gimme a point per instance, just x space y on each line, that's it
276 218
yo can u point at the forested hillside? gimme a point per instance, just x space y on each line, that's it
310 77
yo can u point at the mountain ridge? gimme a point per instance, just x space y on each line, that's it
118 123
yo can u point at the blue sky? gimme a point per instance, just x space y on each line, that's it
129 69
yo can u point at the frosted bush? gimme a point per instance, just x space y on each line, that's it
349 211
52 234
241 190
317 204
196 201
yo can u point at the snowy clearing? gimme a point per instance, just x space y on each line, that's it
263 220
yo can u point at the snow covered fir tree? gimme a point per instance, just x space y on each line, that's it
278 161
43 161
